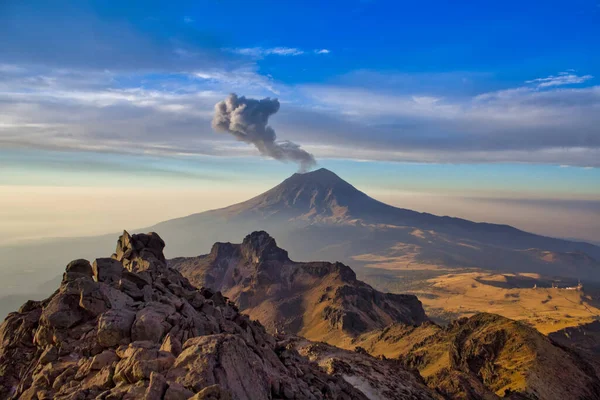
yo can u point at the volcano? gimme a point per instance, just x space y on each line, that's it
319 216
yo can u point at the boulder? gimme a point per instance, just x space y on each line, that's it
157 387
148 325
177 391
171 344
107 270
104 359
141 362
114 327
77 269
62 311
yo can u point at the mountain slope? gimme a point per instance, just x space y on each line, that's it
130 327
483 357
318 300
319 216
487 356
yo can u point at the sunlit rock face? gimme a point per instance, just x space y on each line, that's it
319 300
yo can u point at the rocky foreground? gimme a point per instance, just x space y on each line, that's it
130 327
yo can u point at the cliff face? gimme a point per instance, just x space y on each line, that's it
319 300
130 327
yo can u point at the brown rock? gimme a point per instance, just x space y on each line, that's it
157 387
107 270
225 360
77 269
171 344
214 392
92 299
114 327
102 379
62 311
148 325
141 363
106 358
49 355
176 391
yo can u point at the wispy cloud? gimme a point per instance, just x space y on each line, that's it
563 78
260 52
170 114
241 79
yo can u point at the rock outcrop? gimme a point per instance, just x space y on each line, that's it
317 300
379 378
130 327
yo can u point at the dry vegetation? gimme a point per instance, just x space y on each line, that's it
450 293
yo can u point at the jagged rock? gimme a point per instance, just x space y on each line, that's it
131 327
171 344
283 294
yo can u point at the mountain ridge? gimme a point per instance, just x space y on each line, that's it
315 299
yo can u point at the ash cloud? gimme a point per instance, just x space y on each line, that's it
247 120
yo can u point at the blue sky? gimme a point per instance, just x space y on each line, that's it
493 99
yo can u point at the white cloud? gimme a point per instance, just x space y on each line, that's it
563 78
241 79
171 114
262 52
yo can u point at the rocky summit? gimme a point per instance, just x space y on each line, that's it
318 300
131 327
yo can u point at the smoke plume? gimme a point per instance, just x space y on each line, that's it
247 120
